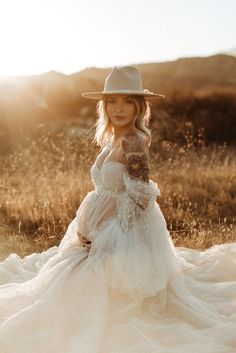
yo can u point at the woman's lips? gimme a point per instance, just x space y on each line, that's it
119 117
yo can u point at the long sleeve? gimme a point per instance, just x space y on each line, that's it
140 192
137 199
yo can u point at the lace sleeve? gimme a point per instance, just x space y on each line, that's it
140 192
138 199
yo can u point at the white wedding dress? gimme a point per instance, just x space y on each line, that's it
133 292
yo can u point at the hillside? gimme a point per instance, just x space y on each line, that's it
197 89
187 75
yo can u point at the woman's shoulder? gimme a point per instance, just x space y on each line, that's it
135 139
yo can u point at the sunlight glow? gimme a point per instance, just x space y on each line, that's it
69 35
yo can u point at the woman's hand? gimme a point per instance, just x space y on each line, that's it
86 243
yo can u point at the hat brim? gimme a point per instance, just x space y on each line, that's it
100 95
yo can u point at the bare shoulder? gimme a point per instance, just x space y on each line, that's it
135 147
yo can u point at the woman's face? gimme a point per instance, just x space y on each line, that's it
121 110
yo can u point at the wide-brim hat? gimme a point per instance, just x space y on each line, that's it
123 80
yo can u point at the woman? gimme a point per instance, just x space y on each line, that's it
116 283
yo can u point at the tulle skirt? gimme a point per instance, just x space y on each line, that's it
131 293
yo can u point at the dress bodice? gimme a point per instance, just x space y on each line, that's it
101 204
109 177
116 195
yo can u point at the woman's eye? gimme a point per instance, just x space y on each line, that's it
127 101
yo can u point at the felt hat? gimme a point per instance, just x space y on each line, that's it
123 80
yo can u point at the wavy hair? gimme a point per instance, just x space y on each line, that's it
104 128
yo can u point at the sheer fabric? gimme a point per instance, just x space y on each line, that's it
133 292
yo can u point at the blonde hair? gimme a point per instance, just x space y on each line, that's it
104 128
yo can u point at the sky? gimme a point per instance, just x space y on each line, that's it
38 36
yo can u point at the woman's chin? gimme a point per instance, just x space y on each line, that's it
120 124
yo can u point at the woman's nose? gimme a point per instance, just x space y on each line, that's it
119 107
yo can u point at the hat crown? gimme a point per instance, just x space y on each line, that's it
123 78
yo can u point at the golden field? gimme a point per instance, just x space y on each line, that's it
43 184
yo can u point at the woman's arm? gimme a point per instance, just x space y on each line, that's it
136 159
136 155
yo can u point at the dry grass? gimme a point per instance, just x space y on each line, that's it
198 195
42 186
